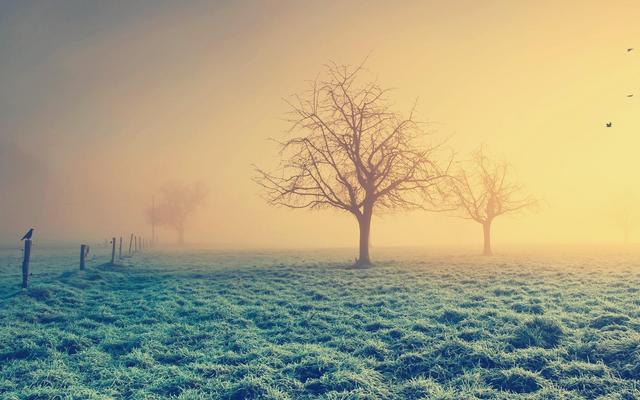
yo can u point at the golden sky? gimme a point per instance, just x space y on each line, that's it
107 101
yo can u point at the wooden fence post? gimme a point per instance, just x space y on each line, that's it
83 254
130 243
113 251
120 249
25 263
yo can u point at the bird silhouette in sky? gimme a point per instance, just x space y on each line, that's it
630 95
609 124
629 49
27 235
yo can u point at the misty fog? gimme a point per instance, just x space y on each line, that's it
102 105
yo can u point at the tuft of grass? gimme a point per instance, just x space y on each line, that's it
538 332
531 308
608 320
515 380
39 293
452 316
252 387
425 388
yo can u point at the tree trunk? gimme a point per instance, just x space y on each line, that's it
364 222
486 229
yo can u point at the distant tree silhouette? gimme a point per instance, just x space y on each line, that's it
349 151
624 215
482 191
178 201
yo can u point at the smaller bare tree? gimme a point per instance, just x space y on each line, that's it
624 215
483 191
178 201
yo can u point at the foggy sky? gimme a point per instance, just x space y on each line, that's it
101 103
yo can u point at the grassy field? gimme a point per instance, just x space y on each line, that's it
207 325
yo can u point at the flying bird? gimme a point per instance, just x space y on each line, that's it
27 235
609 124
630 95
629 49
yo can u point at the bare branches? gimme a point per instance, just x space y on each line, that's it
483 191
349 151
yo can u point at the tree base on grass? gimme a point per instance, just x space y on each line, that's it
362 264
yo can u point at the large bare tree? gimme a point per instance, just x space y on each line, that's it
482 190
348 150
178 201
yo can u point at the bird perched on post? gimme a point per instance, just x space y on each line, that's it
27 235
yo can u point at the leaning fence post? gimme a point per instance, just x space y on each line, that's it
130 243
25 263
120 249
83 254
113 251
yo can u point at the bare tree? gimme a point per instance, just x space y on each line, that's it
178 201
349 151
624 215
483 191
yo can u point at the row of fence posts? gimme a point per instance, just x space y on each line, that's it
136 243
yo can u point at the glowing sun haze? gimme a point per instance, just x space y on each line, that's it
101 103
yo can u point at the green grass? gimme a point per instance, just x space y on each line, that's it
207 325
